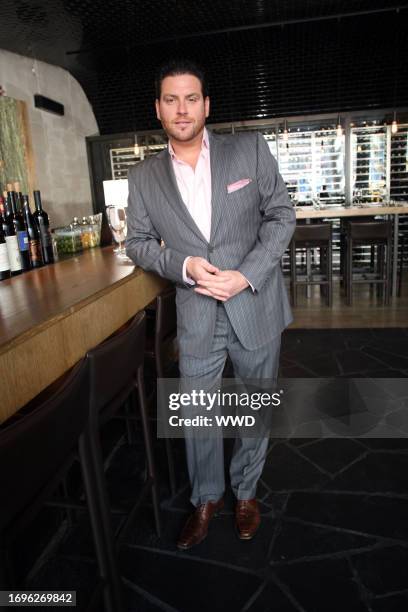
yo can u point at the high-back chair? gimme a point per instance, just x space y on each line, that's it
318 236
36 451
116 375
165 331
378 235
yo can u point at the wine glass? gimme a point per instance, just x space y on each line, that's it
116 216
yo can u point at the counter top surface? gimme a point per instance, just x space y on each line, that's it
309 212
31 301
51 317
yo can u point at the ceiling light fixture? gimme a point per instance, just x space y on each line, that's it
394 124
285 131
339 129
136 148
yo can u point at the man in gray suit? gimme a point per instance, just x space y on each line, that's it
223 212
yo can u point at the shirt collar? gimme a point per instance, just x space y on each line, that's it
205 145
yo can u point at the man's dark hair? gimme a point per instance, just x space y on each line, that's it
175 67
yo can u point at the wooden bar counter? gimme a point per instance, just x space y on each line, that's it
50 318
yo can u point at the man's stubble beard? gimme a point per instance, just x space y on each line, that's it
176 135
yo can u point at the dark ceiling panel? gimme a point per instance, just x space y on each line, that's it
310 64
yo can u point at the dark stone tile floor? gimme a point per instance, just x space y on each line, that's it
334 532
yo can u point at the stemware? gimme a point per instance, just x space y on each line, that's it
118 225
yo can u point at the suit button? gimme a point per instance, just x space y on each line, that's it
210 249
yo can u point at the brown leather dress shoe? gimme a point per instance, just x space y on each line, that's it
196 528
247 517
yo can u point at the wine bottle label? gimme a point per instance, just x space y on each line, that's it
22 238
4 260
13 253
35 252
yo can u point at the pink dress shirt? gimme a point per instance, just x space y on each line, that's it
195 189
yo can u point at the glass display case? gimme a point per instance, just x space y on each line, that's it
369 163
399 164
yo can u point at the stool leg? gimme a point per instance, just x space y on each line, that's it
171 468
380 272
130 425
98 506
388 271
70 514
293 272
349 272
401 266
323 268
149 449
168 445
384 276
342 254
400 269
329 274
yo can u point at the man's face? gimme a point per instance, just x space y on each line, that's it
182 109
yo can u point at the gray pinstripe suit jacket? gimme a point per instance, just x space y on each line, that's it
250 230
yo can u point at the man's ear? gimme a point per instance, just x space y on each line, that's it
207 106
157 109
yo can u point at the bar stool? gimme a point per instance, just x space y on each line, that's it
343 245
165 332
317 236
376 234
116 375
36 450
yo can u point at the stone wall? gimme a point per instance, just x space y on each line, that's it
61 166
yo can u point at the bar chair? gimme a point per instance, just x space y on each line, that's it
377 235
318 236
116 375
157 348
37 448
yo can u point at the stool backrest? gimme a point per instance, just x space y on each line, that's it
114 363
165 328
166 316
372 230
35 447
318 231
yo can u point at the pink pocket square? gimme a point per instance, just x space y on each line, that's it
238 185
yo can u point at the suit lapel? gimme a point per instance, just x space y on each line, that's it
168 184
220 161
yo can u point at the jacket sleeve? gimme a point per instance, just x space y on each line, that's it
143 241
278 220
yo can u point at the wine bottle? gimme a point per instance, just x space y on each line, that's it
21 230
43 224
18 197
3 212
4 260
13 252
34 241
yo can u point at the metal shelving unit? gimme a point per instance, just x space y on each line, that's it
399 164
369 154
123 159
295 158
398 182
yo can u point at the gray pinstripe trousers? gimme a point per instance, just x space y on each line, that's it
205 456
